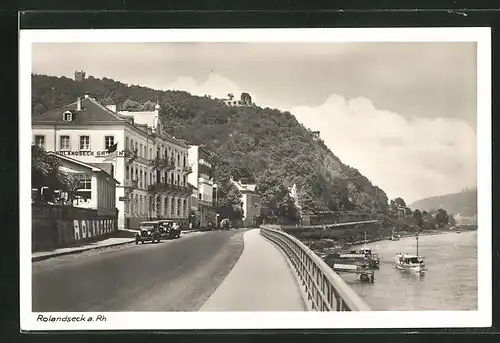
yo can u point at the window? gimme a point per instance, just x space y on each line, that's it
150 153
126 143
84 143
109 141
65 143
40 141
85 181
137 147
67 116
199 196
142 152
178 159
184 161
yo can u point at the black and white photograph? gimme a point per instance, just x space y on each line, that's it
252 179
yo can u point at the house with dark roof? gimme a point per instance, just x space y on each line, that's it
150 165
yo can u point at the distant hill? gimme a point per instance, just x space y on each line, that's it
463 203
248 141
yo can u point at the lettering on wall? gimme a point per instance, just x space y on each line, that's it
87 228
76 227
97 153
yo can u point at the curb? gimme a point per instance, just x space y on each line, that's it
71 252
189 231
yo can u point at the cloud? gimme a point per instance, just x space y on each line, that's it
216 86
412 158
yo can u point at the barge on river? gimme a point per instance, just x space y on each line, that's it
362 272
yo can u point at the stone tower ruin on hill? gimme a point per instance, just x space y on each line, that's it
79 75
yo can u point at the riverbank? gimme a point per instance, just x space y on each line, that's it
326 246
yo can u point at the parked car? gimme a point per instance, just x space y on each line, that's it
170 229
225 224
148 232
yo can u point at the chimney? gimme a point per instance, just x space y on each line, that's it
112 107
86 95
78 104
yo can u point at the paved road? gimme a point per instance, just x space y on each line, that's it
174 275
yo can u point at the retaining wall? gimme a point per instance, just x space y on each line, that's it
56 226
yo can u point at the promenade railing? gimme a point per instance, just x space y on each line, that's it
324 290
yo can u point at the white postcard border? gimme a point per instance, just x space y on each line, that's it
265 320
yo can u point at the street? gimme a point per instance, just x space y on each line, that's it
174 275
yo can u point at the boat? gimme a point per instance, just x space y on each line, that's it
395 237
411 263
365 254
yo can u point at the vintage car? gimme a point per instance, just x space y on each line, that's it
148 232
225 224
169 229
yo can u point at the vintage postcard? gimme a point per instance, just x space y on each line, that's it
255 179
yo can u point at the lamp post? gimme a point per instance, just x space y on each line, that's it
216 202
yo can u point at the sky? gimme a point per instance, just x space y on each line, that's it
403 114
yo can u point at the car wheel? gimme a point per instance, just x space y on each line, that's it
136 242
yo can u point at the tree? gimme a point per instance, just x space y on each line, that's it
417 215
441 217
229 204
46 172
131 105
276 199
400 202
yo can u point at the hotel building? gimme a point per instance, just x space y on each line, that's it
202 198
150 165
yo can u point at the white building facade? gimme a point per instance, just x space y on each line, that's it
251 203
150 165
202 204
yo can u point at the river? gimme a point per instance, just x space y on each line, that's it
450 283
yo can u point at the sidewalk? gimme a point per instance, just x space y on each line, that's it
261 280
109 242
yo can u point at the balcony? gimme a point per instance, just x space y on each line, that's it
162 163
205 180
130 183
187 169
130 156
162 187
205 203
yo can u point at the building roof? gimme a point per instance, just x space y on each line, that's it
91 166
244 188
107 167
91 113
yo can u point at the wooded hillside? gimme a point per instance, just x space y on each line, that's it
249 142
